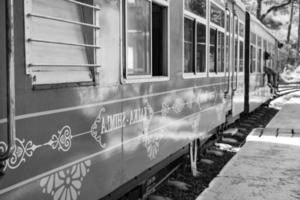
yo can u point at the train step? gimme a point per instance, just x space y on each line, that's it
206 161
231 131
214 152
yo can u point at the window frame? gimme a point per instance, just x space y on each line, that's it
94 67
196 19
125 79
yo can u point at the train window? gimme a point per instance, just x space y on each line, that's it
236 56
217 15
213 50
259 56
189 45
259 40
73 41
253 38
236 43
221 52
201 48
269 51
227 52
241 30
146 39
253 59
227 40
194 37
195 6
241 56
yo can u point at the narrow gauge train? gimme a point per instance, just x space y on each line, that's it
98 95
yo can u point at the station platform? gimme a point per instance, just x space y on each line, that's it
267 167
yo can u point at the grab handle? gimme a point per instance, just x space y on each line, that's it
10 92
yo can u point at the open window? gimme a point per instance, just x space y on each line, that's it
146 39
62 41
194 37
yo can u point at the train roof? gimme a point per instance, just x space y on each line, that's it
241 5
253 18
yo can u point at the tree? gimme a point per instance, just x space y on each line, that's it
275 7
290 23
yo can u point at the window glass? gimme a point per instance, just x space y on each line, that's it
253 38
188 45
217 15
213 50
220 52
236 43
195 6
259 41
259 55
265 45
138 37
227 52
241 56
253 59
201 47
236 26
241 30
227 23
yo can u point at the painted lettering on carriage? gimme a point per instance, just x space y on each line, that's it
104 124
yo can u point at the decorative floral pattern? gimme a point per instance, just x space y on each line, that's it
151 143
178 105
66 184
94 128
22 151
63 140
165 109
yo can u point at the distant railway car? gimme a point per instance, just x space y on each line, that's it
261 49
97 96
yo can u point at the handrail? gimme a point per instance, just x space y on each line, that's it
62 65
83 4
62 20
11 123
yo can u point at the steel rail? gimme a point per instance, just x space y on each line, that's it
10 92
63 20
63 43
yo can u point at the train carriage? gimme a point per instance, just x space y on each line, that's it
262 53
109 92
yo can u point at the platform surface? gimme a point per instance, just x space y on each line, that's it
268 165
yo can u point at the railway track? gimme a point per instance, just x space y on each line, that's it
216 152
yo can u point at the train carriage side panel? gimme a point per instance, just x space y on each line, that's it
89 140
